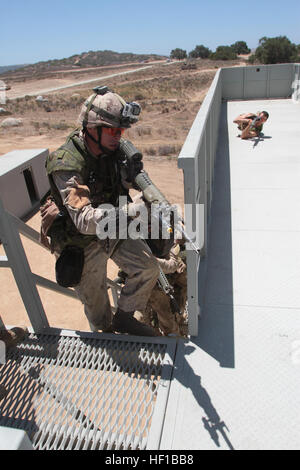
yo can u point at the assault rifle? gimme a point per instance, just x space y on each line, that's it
255 120
153 195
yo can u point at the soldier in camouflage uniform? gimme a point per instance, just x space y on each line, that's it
171 258
85 173
159 312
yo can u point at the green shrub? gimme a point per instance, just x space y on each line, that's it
276 50
252 59
61 126
224 53
167 150
200 51
150 151
178 53
240 47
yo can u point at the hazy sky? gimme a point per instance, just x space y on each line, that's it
35 30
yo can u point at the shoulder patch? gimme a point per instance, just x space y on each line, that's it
65 160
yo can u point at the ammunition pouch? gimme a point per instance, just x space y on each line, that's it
161 247
69 266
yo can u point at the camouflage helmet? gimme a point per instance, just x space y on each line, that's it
102 110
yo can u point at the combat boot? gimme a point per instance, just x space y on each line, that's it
124 322
13 336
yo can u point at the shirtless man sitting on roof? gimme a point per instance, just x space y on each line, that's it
251 124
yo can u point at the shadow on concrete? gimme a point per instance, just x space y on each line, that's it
260 138
216 325
212 421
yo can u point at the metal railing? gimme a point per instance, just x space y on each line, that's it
27 281
79 390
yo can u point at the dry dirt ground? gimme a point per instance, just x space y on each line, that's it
170 99
64 312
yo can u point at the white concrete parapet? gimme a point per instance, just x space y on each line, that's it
23 180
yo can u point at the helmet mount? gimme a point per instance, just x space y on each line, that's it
106 108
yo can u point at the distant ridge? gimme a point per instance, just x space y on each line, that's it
87 59
7 68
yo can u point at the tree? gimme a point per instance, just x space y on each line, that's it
178 54
224 53
200 51
252 59
240 47
276 50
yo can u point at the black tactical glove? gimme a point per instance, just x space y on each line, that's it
132 162
135 166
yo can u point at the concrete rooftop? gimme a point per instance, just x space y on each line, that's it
236 386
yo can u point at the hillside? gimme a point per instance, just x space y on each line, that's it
8 68
170 97
86 59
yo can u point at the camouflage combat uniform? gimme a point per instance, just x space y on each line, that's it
79 183
159 312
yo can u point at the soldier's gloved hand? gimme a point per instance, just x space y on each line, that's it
181 267
138 166
49 212
135 166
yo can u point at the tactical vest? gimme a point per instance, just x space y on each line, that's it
100 174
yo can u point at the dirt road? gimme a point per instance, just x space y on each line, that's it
50 85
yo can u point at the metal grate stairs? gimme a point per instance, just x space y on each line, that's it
88 390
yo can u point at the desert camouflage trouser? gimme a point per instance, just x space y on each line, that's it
159 312
132 256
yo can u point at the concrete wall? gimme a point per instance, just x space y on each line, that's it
263 81
197 157
13 189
